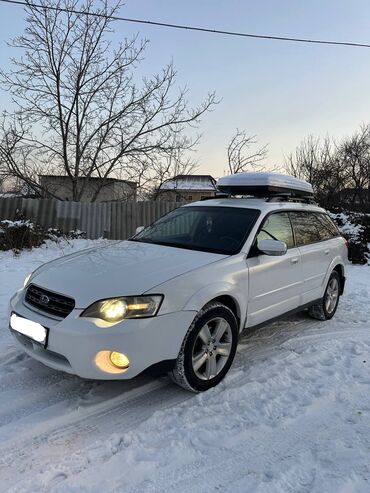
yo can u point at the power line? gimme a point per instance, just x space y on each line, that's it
191 28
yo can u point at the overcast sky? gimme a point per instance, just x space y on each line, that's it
278 90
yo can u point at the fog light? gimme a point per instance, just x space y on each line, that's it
119 360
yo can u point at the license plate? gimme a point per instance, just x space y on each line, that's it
33 330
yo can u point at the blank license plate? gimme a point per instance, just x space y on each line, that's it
28 328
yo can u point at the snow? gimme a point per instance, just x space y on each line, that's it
18 224
291 416
346 226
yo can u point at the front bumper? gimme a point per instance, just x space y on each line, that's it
73 343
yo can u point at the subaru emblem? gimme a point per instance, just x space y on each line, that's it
44 299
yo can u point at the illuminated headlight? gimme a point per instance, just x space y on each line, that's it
27 280
116 309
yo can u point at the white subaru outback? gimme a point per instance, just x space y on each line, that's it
180 292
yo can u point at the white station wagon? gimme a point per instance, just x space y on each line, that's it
179 293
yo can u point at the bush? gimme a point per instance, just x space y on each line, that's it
24 234
54 234
18 235
355 227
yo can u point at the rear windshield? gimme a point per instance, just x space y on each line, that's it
210 229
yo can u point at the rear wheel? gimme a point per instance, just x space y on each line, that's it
326 308
208 349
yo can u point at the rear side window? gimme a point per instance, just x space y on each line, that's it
277 227
328 228
306 228
312 227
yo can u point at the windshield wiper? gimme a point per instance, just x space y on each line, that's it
139 240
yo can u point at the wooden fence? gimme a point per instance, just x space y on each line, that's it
114 220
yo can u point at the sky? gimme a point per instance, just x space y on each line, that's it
280 91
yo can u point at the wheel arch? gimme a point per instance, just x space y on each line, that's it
221 293
338 266
340 269
230 303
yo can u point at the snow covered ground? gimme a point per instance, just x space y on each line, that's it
293 415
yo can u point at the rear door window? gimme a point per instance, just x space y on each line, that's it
306 228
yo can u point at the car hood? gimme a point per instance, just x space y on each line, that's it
119 269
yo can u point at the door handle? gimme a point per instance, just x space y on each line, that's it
294 260
327 252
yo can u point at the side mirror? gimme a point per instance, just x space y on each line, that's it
274 248
139 229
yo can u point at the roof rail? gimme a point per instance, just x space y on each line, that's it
290 197
277 197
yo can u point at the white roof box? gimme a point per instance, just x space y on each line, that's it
264 184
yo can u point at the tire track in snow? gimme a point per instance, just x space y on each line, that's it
71 433
60 437
227 458
76 428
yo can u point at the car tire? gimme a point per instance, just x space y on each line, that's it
326 308
208 349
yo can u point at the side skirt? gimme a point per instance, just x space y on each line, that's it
280 317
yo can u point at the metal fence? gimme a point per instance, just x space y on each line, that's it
114 220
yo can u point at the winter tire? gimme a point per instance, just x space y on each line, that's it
208 349
326 308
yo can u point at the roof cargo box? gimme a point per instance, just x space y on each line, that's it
264 185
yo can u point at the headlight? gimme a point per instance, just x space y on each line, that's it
116 309
27 280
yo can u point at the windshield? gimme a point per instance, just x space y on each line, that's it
210 229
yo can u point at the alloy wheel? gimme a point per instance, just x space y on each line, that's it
332 295
212 348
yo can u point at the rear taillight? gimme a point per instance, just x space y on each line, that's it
346 242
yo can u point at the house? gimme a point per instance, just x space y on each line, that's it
93 188
187 188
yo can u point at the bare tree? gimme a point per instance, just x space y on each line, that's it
304 162
338 171
318 162
16 161
240 153
81 110
173 166
174 163
355 154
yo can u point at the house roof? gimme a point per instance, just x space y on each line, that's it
190 182
107 180
9 194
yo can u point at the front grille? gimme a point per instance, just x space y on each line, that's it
49 302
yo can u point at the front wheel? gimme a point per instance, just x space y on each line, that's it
208 349
326 308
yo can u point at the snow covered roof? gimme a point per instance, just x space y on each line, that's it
9 195
190 182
